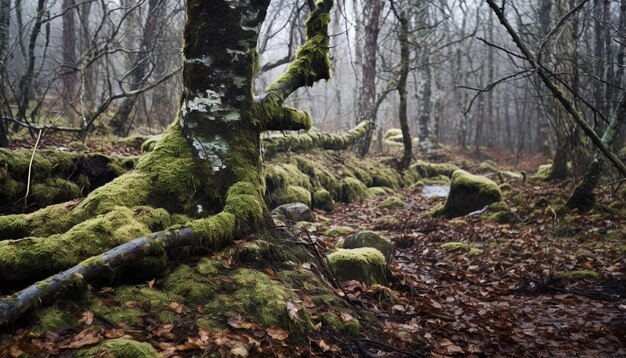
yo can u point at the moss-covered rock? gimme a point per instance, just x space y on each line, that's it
291 194
339 231
469 193
489 165
363 264
119 348
370 239
322 199
293 212
392 203
379 191
543 173
429 170
352 190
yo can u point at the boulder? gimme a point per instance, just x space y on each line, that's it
364 264
369 239
293 212
469 193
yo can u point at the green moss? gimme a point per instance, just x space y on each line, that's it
13 227
352 190
120 348
52 318
469 193
54 190
320 178
360 174
428 170
370 239
197 284
350 327
509 175
322 199
259 298
436 180
363 264
489 165
392 203
505 187
379 191
455 246
39 257
577 275
543 173
339 231
291 194
393 132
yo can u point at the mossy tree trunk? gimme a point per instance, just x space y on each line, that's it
205 173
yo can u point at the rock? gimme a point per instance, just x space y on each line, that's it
429 170
364 264
489 165
369 239
293 212
469 193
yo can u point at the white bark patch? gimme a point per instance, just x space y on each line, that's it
201 103
213 151
204 60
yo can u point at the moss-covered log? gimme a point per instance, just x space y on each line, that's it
311 140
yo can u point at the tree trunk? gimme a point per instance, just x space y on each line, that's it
404 73
69 54
583 197
140 65
367 94
5 21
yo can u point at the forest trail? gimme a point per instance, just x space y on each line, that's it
550 287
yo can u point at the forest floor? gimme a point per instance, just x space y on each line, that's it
550 283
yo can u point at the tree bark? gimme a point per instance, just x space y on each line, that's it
583 197
367 95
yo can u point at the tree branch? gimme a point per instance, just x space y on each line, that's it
557 92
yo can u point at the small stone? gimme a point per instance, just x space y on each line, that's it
293 212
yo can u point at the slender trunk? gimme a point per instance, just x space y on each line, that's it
404 73
5 22
69 54
367 95
583 197
140 65
88 81
424 118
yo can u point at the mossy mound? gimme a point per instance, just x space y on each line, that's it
469 193
543 173
379 191
392 203
56 176
363 264
290 194
322 199
339 231
429 170
119 348
489 165
352 190
370 239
